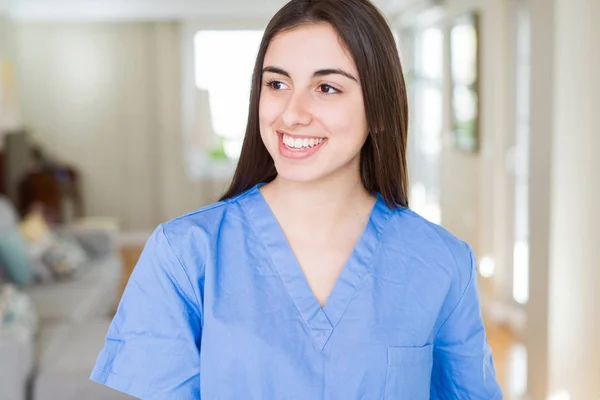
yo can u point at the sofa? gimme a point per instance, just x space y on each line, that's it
53 360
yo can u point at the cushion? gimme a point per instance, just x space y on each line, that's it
53 254
64 257
98 236
41 272
17 313
8 215
36 250
14 257
34 226
40 238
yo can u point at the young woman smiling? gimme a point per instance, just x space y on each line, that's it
311 278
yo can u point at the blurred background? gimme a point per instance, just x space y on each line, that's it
117 115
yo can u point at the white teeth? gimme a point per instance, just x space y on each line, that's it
300 143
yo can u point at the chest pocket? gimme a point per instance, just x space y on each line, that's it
409 373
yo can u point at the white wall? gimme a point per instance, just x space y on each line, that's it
5 36
9 113
574 305
105 97
474 198
475 186
564 311
542 106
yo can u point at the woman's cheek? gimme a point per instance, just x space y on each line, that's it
268 110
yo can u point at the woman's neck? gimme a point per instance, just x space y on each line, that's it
320 207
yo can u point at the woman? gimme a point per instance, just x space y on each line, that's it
311 278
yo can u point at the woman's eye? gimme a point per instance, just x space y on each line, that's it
276 85
328 89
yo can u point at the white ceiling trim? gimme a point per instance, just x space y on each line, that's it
86 10
109 10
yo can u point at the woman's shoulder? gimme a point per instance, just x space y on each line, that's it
412 222
432 242
205 219
201 217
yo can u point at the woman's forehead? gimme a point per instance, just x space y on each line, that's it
308 48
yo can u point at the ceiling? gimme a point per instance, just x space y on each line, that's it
48 10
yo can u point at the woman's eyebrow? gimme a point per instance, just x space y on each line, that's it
334 71
321 72
276 70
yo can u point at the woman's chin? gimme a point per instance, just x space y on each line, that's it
299 174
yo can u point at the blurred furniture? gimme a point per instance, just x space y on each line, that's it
28 176
74 319
16 161
16 364
2 177
57 189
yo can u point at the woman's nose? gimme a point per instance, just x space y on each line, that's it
297 110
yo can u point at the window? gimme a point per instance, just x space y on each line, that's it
521 171
224 60
426 132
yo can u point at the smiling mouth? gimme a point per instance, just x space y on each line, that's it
295 143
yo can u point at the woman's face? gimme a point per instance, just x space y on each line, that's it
311 113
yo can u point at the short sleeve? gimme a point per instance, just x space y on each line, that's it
462 366
152 349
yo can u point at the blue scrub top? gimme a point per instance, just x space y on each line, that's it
218 308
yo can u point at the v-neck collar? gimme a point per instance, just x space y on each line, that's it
320 321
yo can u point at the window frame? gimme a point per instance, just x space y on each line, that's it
198 163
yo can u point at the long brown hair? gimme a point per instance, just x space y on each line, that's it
368 38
